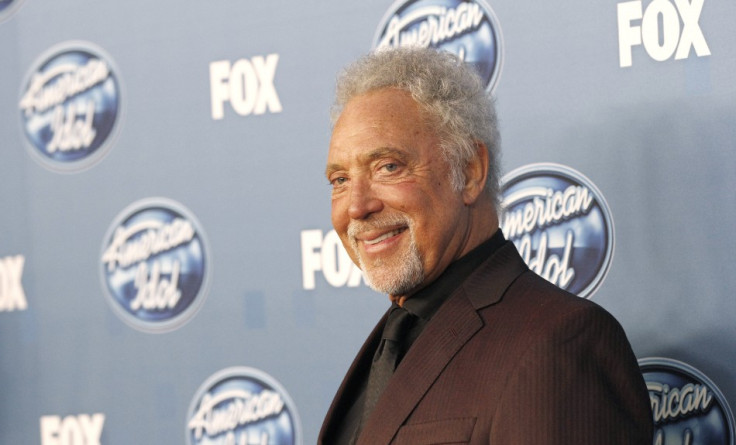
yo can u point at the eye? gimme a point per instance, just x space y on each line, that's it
340 180
390 167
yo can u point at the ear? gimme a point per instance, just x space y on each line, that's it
476 173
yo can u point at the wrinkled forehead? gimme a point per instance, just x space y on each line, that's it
379 122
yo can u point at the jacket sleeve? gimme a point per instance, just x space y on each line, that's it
578 383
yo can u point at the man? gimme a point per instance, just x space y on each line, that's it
484 350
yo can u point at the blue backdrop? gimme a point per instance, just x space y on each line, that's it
168 272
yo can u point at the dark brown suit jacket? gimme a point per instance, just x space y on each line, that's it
507 359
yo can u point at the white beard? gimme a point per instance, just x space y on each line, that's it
393 276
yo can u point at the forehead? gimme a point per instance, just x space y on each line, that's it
387 118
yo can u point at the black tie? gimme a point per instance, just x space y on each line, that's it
386 358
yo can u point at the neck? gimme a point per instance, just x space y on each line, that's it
483 223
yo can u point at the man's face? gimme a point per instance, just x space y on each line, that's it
392 202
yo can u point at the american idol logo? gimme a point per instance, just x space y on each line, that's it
561 225
70 106
154 265
466 28
687 407
242 406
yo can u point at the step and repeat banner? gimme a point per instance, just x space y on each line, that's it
168 271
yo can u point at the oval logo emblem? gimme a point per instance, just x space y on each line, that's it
561 225
70 107
242 405
466 28
688 408
154 265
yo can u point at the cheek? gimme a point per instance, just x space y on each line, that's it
404 197
436 224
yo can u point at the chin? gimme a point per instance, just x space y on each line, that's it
395 281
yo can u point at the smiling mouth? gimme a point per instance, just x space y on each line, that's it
385 236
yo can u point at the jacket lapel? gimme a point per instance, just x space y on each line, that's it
453 325
450 329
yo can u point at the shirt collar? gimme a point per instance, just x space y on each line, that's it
425 303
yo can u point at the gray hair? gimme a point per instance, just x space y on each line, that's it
451 93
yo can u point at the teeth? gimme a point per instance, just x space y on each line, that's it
383 237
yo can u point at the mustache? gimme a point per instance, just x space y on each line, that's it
357 227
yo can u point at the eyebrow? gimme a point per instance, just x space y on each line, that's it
383 152
377 153
331 168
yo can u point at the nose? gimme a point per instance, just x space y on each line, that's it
363 200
